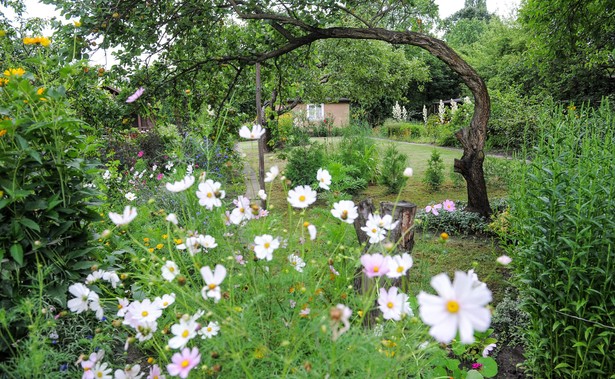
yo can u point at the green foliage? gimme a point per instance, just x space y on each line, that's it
434 175
303 164
392 169
563 233
510 321
498 172
403 130
358 150
454 223
45 184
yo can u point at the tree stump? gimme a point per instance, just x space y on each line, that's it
402 236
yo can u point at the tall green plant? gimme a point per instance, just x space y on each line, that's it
562 222
434 175
44 186
392 169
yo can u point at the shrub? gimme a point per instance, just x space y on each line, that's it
434 175
303 164
456 222
358 150
563 230
45 191
403 130
392 169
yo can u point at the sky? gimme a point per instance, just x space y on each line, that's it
503 8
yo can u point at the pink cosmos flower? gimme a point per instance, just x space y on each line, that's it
155 373
132 98
160 176
183 362
375 264
449 205
433 209
140 154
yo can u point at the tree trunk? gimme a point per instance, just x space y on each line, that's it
403 234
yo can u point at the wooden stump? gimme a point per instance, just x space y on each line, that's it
402 236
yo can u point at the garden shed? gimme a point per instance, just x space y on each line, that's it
338 111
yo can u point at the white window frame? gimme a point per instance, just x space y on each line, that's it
316 112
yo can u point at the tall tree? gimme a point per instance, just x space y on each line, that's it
272 28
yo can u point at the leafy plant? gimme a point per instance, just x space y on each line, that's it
562 232
392 169
303 163
434 175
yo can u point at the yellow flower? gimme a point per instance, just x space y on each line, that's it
159 246
77 23
43 41
2 33
444 236
40 91
3 81
1 191
28 41
14 72
178 241
151 249
145 239
165 236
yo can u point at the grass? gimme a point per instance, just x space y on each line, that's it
430 255
414 191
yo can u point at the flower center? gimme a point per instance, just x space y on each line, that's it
400 269
374 230
144 313
242 210
209 328
376 269
267 245
120 306
452 306
99 374
210 195
344 215
390 305
172 269
165 304
212 286
185 363
185 333
301 198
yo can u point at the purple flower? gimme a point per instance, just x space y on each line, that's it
132 98
140 153
476 366
160 176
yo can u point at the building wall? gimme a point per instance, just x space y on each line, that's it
340 112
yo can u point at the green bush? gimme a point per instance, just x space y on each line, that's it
303 164
456 222
434 175
45 191
358 150
392 169
564 231
403 130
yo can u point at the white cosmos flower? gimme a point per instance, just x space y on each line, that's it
102 371
324 178
130 372
399 265
181 185
312 230
209 194
408 172
272 174
130 196
504 260
242 210
262 195
192 244
142 311
210 330
256 132
122 306
264 246
106 175
296 262
145 330
373 231
84 297
384 222
125 218
301 196
164 301
460 306
94 277
207 241
392 304
183 332
345 210
212 282
340 315
172 218
170 271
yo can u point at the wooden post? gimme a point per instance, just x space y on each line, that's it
403 234
261 142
